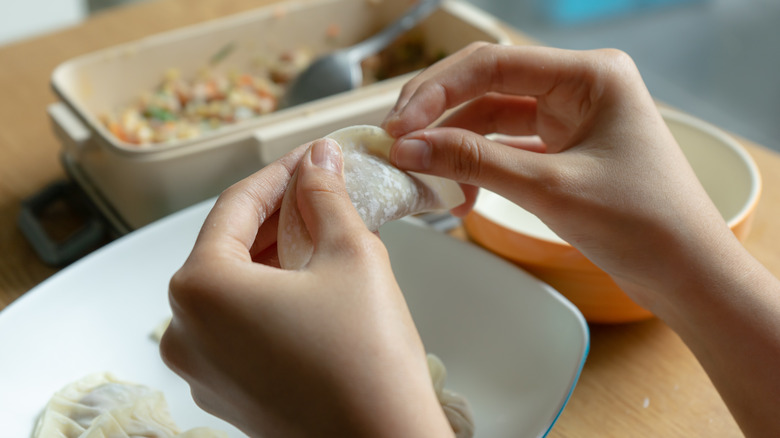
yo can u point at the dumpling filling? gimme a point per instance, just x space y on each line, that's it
379 191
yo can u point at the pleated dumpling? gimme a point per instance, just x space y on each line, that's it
379 191
101 406
455 406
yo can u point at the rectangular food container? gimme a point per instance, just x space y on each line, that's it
134 186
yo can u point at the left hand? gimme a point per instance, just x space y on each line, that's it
330 350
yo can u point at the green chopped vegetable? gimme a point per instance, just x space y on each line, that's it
159 114
222 53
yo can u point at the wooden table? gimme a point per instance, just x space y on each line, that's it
639 380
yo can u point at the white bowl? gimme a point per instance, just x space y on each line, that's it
725 169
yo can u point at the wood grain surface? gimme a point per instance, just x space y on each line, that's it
639 380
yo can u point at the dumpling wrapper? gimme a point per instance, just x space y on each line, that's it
379 191
456 407
101 406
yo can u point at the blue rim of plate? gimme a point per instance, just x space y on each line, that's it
574 311
583 359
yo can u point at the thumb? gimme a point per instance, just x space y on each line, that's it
323 201
472 159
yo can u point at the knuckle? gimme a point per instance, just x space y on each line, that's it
477 45
466 159
432 90
189 291
617 62
169 346
408 88
360 242
371 244
551 181
174 353
555 189
321 195
324 182
363 246
485 52
200 401
179 286
235 190
205 399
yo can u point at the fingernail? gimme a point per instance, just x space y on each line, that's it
387 123
393 113
413 154
326 154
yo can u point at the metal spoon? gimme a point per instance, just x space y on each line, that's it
340 71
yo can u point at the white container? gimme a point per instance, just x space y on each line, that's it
134 186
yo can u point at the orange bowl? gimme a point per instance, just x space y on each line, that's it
725 169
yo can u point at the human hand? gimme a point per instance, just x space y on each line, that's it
330 350
613 182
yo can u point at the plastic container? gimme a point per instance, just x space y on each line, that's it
134 186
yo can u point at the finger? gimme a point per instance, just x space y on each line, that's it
531 144
266 236
471 159
177 352
440 66
527 143
232 226
470 193
323 201
268 256
496 113
511 120
517 70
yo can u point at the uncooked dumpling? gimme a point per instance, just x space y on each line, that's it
101 406
455 406
379 191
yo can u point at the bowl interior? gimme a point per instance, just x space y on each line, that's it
725 169
511 216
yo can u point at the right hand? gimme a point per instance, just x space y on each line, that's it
613 182
615 185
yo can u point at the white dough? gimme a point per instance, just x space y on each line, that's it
379 191
455 406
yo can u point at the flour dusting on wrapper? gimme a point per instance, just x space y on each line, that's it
379 191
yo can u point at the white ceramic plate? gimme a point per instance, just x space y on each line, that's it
511 344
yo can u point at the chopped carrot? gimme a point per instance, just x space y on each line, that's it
116 129
245 79
333 30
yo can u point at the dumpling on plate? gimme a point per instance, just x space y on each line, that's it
101 406
455 406
379 191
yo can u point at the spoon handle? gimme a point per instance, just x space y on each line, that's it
372 45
